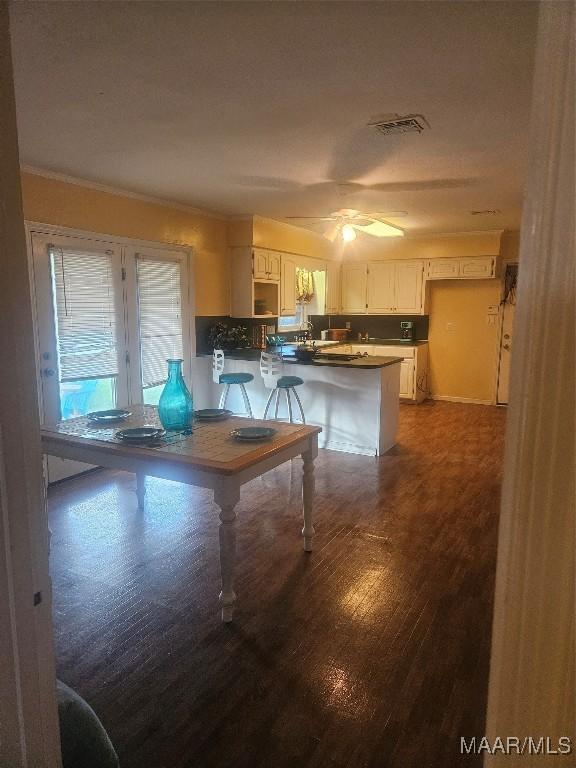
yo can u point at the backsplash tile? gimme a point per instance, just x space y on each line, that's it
377 326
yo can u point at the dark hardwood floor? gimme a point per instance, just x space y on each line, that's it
372 651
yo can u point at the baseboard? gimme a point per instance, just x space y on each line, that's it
470 400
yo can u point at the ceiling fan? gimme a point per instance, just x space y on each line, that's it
347 221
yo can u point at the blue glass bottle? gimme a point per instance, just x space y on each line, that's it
175 407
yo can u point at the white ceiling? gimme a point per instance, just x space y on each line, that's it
262 107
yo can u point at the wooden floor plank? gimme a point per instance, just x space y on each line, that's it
373 651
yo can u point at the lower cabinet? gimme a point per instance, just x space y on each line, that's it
413 368
407 378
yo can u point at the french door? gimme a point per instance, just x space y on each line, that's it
108 316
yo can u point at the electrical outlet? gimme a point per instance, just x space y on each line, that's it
493 309
348 325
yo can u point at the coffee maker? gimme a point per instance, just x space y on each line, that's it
407 331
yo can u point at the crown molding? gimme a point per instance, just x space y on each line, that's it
120 192
467 233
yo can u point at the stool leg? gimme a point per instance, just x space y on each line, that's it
246 401
277 402
299 405
224 396
268 403
289 404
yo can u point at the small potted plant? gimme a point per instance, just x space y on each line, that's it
222 336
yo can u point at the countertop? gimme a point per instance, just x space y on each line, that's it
364 363
383 342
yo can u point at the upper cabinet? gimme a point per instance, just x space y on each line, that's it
440 269
288 285
383 288
255 283
470 267
409 288
354 283
396 287
266 264
332 305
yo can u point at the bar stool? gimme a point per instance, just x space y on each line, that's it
271 370
219 377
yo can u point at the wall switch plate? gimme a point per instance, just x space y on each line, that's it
450 327
348 324
493 309
490 319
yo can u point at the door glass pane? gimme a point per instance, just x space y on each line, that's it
86 333
80 397
160 321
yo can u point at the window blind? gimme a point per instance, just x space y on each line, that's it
83 285
160 317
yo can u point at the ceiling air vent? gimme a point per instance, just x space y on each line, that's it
393 124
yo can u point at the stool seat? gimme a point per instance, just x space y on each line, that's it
235 378
284 382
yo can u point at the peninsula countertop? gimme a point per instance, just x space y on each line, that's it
363 363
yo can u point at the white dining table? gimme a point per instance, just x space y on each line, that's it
210 457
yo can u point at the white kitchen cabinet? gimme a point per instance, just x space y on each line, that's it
362 349
354 282
332 305
288 286
413 369
478 267
442 269
396 287
274 262
253 295
266 264
407 378
469 267
381 286
409 284
260 261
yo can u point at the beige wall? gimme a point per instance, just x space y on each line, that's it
462 361
268 233
510 246
51 201
425 247
463 346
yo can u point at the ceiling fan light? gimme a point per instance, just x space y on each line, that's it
348 233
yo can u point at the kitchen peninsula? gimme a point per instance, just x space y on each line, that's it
356 402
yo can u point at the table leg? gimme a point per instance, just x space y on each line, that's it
140 489
308 498
226 498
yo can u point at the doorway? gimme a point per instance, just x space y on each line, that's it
108 315
508 308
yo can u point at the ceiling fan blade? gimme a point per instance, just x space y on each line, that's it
359 222
386 214
332 232
311 218
378 229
